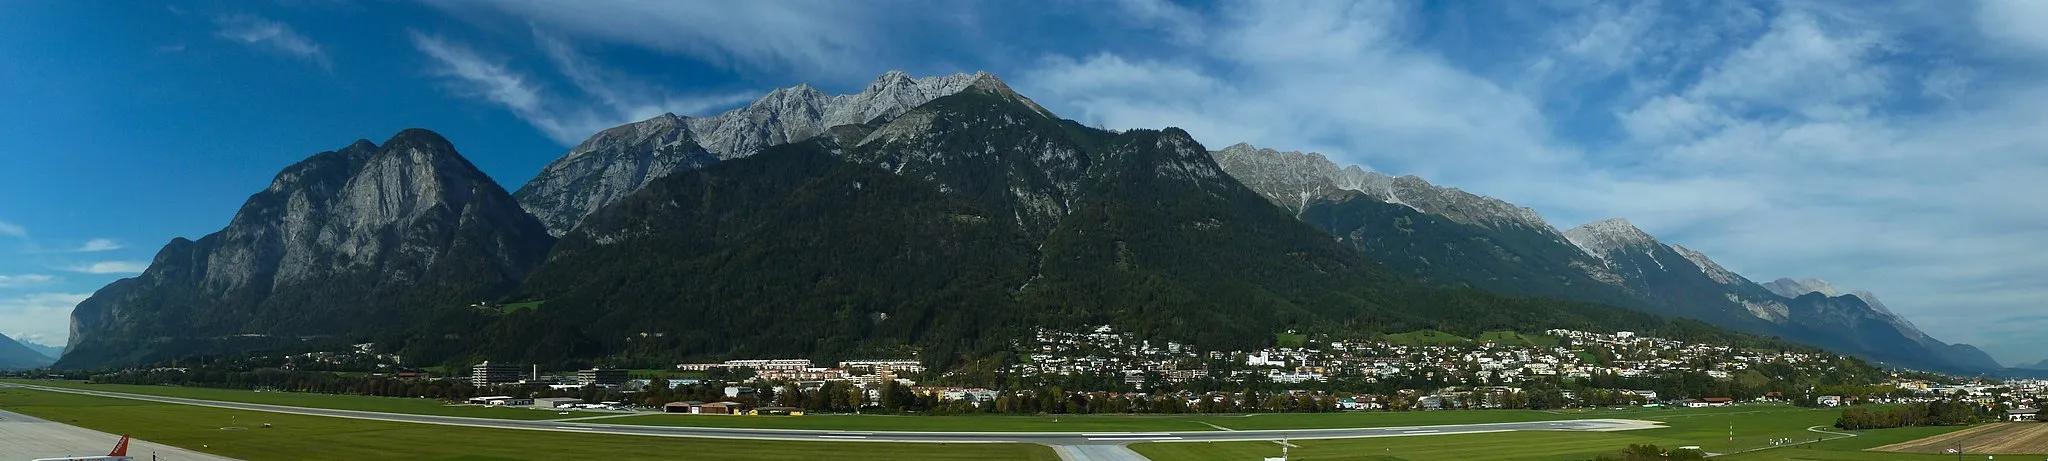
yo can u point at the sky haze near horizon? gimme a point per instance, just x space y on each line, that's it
1895 147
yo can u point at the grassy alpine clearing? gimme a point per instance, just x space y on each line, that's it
312 400
295 437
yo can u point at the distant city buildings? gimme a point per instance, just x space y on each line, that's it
488 374
601 377
873 371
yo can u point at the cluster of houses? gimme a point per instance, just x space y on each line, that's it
1102 349
866 372
2020 400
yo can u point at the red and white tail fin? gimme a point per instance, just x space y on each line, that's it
120 449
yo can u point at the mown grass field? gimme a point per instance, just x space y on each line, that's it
1154 423
1755 427
414 406
1099 423
294 437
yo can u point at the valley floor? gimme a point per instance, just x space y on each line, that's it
1766 429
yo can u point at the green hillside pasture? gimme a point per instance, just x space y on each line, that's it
1426 338
1510 338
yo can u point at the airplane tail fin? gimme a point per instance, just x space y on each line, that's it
120 449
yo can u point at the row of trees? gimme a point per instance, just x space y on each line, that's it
300 381
1637 452
1940 413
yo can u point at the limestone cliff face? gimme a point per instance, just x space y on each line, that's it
343 242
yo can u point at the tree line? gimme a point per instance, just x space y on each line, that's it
1939 413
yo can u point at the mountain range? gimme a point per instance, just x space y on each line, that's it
1447 235
16 355
938 214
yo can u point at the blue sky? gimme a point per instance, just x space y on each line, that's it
1893 147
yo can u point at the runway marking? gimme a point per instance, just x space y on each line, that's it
1419 432
1130 439
842 436
574 428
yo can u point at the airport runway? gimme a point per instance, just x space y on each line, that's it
1077 442
27 437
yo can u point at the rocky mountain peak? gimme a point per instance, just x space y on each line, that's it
890 79
988 83
1295 179
1291 180
419 139
620 160
1606 236
1792 288
337 244
1795 288
1711 268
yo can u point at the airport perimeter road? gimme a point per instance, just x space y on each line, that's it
1046 438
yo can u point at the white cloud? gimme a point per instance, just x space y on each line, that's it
23 280
1800 65
96 245
1312 76
1947 83
2019 22
265 33
42 318
110 267
1178 22
611 98
814 36
11 230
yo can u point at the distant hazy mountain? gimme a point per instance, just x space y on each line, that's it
53 352
1961 354
15 355
1448 236
621 160
368 239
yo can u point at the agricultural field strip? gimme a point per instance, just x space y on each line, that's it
1996 438
1050 438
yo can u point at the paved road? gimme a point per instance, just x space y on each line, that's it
29 437
1066 439
1097 453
